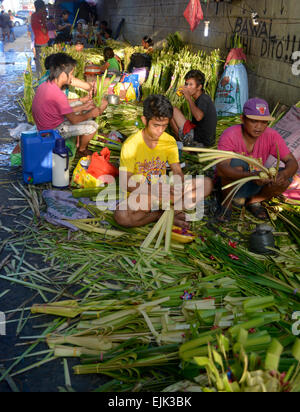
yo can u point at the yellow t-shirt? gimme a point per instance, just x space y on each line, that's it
139 159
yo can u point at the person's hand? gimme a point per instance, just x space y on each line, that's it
93 90
281 184
88 106
103 106
281 178
85 99
186 92
261 182
95 112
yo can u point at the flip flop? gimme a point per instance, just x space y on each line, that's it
84 153
224 214
257 211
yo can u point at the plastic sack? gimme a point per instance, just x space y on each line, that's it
101 168
16 159
120 90
71 144
16 156
22 127
233 91
81 178
125 91
193 14
235 56
134 80
288 128
130 94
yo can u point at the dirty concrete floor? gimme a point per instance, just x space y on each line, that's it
49 377
12 66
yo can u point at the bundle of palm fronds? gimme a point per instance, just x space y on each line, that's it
26 102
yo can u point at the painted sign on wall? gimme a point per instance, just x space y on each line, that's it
272 45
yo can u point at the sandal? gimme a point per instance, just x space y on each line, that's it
84 153
224 214
239 202
257 211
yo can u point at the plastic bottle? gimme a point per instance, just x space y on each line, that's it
60 165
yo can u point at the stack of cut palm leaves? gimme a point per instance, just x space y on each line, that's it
207 316
135 315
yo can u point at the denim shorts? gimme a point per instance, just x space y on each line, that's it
67 129
250 189
188 138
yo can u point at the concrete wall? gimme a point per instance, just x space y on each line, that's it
269 46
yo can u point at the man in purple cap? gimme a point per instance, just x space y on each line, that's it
253 138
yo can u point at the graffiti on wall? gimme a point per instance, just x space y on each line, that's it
271 45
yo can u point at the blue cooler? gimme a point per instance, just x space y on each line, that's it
36 149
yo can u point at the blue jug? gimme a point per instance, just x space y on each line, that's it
36 149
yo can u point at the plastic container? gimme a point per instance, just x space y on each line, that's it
261 239
60 165
36 149
92 70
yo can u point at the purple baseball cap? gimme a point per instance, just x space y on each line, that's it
257 109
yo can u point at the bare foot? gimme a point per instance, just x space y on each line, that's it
180 220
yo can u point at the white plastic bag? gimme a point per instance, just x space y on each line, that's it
22 127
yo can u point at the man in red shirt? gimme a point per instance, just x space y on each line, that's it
51 108
255 139
39 28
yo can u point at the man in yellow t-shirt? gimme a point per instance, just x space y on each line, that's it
142 160
145 157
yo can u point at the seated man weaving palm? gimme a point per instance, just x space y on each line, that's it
145 157
52 110
254 139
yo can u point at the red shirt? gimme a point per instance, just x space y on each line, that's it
49 106
232 141
38 22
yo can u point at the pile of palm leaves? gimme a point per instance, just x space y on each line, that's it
169 68
209 316
220 319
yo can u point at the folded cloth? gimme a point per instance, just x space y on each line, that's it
235 54
188 126
292 194
62 206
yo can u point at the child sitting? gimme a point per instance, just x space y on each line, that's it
79 36
51 31
112 62
148 44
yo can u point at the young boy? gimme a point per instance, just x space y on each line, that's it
51 30
51 108
112 62
144 160
64 28
202 131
